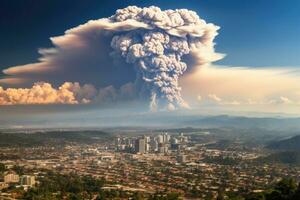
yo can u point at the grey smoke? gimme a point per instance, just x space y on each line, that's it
157 50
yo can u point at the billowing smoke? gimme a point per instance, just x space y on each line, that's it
103 52
157 50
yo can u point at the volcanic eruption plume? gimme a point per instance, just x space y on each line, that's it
157 49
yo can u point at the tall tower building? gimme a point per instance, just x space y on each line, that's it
160 139
147 139
154 145
140 146
166 137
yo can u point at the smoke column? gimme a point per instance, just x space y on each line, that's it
156 50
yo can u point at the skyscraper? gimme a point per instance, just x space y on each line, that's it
140 146
166 137
160 139
154 145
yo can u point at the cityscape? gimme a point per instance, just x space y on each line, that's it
149 100
193 165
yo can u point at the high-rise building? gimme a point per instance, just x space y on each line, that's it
166 137
147 139
140 146
160 139
117 141
129 142
185 139
174 140
175 146
27 180
11 178
147 147
163 148
154 145
182 138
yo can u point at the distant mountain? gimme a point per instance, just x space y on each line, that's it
52 138
110 118
291 144
286 157
271 123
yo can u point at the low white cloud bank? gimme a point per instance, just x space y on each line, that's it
214 98
67 93
243 86
282 100
43 93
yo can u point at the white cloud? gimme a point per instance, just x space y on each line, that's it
40 93
281 100
243 85
67 93
199 98
233 103
214 97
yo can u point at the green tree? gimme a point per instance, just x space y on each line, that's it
18 169
195 192
173 196
287 188
2 167
75 197
256 196
297 193
137 196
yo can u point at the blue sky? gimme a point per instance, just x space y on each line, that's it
253 33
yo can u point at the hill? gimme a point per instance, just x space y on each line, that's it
285 157
52 138
290 144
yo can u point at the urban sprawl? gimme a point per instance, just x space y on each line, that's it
175 162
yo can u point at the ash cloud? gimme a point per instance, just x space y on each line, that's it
157 50
145 46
